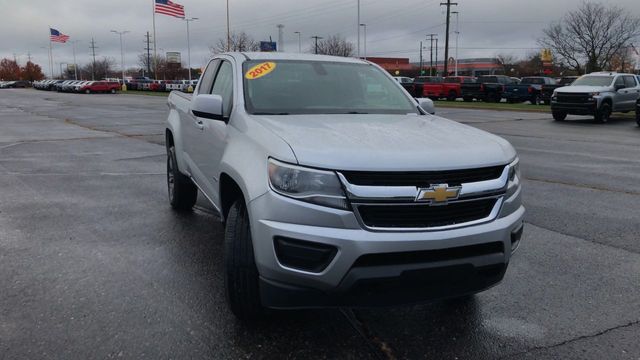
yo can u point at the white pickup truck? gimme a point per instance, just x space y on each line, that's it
337 188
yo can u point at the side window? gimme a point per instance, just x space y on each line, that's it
207 79
223 86
619 81
629 81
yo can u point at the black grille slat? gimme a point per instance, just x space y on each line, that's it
422 178
573 98
425 216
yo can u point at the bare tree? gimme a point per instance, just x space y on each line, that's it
508 62
334 45
589 37
239 42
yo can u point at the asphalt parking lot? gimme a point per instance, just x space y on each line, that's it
94 264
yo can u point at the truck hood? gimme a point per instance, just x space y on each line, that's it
387 142
583 89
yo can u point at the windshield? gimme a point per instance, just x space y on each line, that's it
593 81
284 87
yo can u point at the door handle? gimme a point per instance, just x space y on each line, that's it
200 124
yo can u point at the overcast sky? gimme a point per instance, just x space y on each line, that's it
394 28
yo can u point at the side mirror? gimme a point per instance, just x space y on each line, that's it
207 106
427 105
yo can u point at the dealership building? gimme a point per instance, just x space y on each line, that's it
466 67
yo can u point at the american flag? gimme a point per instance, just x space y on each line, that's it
167 7
57 36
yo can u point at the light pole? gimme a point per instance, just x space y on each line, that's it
188 20
358 29
299 41
457 35
124 87
365 40
75 63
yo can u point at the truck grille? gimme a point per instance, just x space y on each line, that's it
422 178
575 98
425 216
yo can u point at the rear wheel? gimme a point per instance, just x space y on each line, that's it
241 273
182 192
603 113
559 115
452 96
535 100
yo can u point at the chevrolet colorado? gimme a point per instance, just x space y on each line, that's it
597 94
337 188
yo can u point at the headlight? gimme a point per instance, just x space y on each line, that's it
305 184
514 170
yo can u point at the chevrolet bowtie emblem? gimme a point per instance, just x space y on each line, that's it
438 194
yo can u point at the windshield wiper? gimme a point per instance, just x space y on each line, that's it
355 112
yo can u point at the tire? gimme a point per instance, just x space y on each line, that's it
182 192
241 273
535 100
638 114
113 91
452 96
467 99
87 91
559 115
492 98
603 113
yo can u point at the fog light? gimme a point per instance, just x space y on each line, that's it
303 255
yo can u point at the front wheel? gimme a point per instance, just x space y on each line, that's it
452 96
182 191
241 273
603 114
559 115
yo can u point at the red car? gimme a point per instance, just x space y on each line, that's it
451 86
100 86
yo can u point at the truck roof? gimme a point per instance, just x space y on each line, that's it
293 56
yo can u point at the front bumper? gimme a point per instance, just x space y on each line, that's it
589 108
343 282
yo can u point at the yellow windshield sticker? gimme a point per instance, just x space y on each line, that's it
260 70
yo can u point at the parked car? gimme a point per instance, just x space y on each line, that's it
487 88
347 195
529 89
451 88
100 87
157 85
596 94
547 90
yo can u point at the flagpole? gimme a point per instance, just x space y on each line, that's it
155 54
50 55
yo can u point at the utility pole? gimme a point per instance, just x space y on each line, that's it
124 87
457 35
420 71
448 4
365 40
358 23
436 56
316 38
228 29
93 48
29 56
280 38
299 41
189 43
148 48
431 53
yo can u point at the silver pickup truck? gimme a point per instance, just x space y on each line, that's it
337 188
597 94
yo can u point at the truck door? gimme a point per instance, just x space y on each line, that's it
210 145
630 92
193 126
